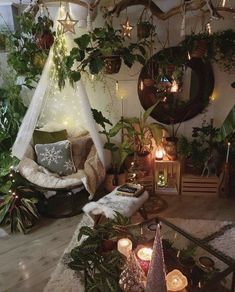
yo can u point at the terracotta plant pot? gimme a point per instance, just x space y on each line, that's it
113 180
171 148
45 40
112 64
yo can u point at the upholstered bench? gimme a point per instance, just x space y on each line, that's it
111 203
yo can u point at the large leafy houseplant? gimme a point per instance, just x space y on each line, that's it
93 49
17 202
97 257
118 151
140 133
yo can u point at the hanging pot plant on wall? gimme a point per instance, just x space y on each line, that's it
102 51
112 64
145 25
29 46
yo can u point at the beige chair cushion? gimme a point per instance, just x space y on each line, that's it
81 147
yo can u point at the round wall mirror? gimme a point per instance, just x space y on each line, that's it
182 84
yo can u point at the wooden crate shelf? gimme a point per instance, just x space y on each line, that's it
171 171
193 185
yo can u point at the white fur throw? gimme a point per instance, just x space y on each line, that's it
110 203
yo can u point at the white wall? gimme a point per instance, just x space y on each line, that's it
223 95
106 99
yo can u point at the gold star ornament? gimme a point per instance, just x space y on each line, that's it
68 23
126 28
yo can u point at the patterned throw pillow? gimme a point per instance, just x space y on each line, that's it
56 157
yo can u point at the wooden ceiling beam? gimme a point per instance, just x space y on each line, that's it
156 11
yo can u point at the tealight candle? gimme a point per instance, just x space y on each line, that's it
159 154
124 246
144 255
176 281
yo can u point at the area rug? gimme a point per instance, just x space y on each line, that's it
220 235
3 233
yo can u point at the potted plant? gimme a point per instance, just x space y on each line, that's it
139 134
43 34
96 257
102 50
29 46
144 29
119 151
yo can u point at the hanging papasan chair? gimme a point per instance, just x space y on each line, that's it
67 172
57 159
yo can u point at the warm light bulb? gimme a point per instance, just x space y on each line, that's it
208 27
117 86
141 85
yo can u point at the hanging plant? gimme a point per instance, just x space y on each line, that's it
28 47
145 27
218 47
102 50
43 34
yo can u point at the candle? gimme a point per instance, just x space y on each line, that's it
159 154
176 281
144 255
227 155
124 246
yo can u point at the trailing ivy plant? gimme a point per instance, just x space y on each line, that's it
92 48
26 53
220 47
97 256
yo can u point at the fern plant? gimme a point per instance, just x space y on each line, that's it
97 256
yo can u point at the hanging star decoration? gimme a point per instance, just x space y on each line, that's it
126 28
68 23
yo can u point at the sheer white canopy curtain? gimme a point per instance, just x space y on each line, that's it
52 109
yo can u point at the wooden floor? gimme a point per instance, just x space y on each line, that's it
26 261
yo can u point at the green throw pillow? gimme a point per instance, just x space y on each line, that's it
56 157
42 137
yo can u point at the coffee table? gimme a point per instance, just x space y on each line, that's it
206 269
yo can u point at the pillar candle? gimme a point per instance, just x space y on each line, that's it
124 246
227 155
